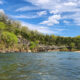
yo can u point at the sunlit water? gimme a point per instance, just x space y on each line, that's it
40 66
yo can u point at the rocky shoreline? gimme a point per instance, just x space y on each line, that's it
40 48
77 51
29 51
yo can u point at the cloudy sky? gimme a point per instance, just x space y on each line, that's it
59 17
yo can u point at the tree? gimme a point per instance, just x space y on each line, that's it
72 46
3 17
2 26
9 39
33 45
77 37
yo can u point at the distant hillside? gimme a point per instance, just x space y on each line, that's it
15 37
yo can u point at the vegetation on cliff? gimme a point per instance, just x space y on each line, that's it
19 38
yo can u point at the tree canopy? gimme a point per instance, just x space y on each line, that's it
9 38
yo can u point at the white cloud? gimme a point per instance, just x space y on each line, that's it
42 29
27 8
70 4
52 20
66 22
24 16
2 11
75 17
54 11
51 4
42 13
59 7
42 1
36 15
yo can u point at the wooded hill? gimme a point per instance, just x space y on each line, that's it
15 37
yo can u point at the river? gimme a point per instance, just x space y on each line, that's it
40 66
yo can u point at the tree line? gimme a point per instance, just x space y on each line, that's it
10 30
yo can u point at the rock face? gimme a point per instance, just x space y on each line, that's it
23 41
24 46
42 48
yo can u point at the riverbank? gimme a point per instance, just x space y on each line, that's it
39 48
30 51
27 51
77 51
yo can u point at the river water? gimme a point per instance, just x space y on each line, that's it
40 66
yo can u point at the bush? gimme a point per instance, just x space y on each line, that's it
9 38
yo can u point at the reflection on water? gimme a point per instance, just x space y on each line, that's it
40 66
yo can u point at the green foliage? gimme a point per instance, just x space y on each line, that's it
9 38
72 46
78 37
33 45
2 26
64 49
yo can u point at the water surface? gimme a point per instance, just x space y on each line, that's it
40 66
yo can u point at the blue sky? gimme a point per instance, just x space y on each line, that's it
59 17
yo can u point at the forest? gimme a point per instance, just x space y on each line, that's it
14 36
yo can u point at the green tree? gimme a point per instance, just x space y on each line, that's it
34 45
2 26
72 46
9 39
